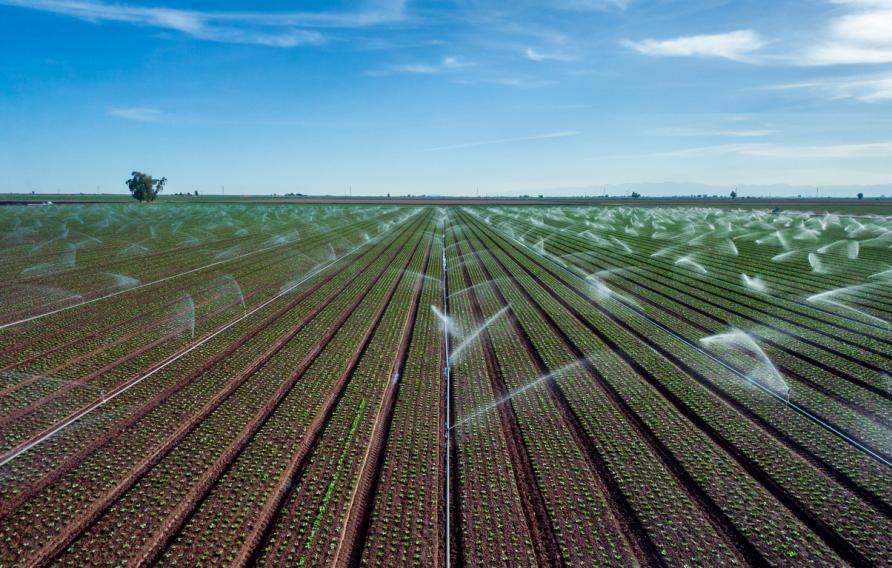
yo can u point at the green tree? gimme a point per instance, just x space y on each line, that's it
635 195
143 187
733 195
860 196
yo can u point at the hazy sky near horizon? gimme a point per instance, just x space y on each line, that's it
443 97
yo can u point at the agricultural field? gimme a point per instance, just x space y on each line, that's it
213 384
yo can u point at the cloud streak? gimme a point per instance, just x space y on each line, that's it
138 114
276 29
449 63
415 69
864 88
589 5
546 136
738 45
779 151
719 133
538 56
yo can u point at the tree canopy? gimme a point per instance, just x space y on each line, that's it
143 187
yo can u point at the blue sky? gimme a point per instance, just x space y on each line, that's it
444 97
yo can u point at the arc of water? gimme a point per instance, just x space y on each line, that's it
732 247
621 244
764 371
518 391
230 281
689 262
816 264
475 286
783 256
826 298
416 274
476 333
448 322
754 283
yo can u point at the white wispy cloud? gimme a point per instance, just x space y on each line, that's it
781 151
754 133
738 45
587 5
863 34
539 55
139 114
522 82
865 88
277 29
448 63
415 69
546 136
514 82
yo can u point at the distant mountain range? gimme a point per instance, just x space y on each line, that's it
687 189
646 189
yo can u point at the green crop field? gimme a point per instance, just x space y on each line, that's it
286 384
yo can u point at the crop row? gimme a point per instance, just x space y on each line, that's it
405 525
822 392
491 524
105 373
723 489
577 501
311 522
88 280
136 260
181 387
229 401
215 442
719 269
722 406
759 242
50 330
765 308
